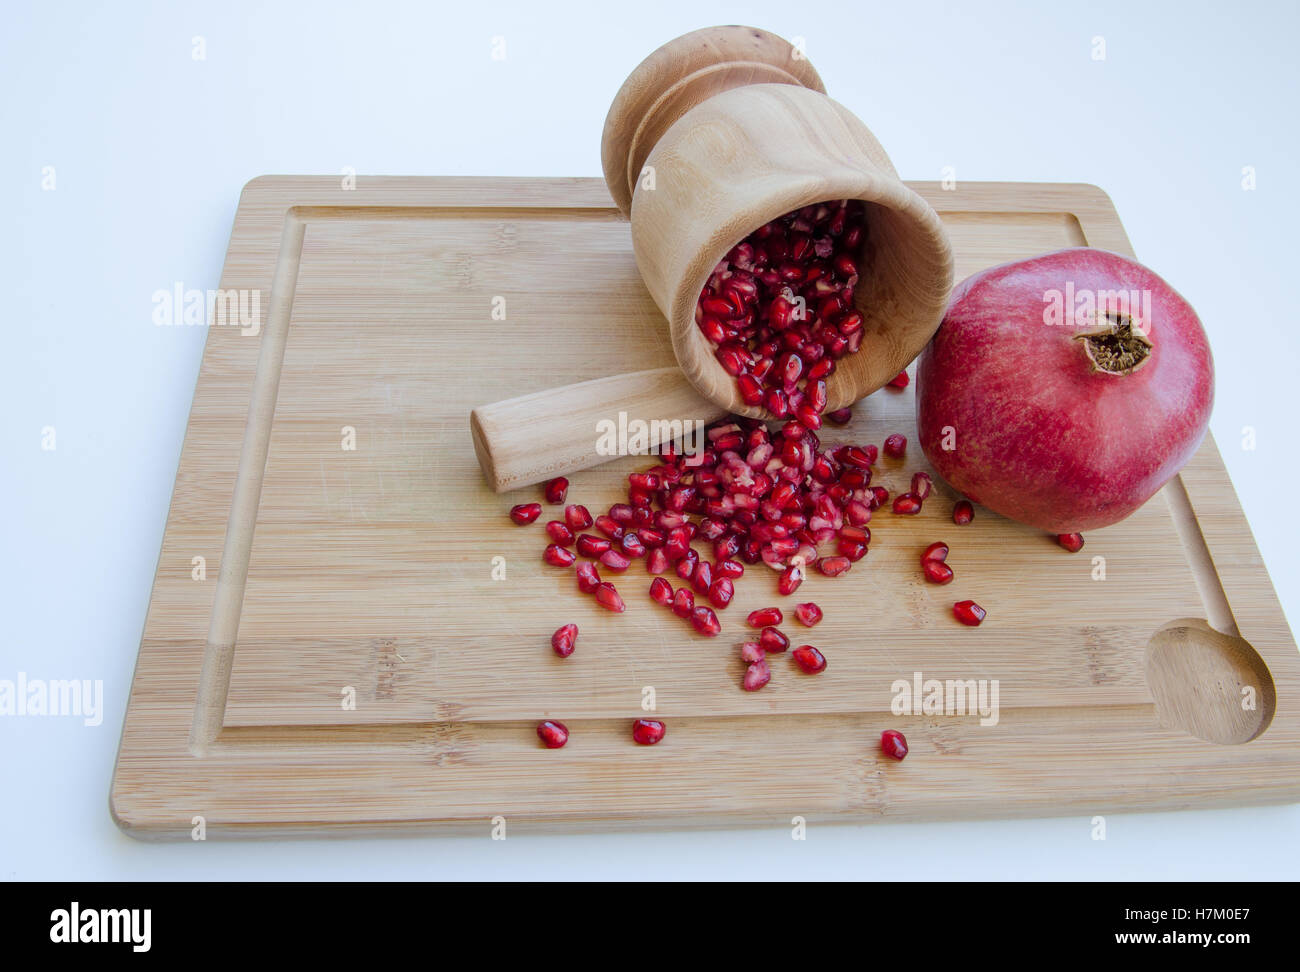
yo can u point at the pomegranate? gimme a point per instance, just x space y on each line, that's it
1065 390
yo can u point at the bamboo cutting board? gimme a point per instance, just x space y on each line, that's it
330 645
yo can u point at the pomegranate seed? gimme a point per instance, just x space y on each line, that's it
936 551
702 577
808 613
661 591
968 612
765 617
632 545
686 566
963 512
757 675
893 744
615 560
647 732
656 562
936 571
907 505
854 456
650 537
879 497
588 577
558 556
921 485
721 591
751 390
559 533
683 602
553 734
732 569
556 490
790 579
525 513
834 566
772 640
809 659
607 597
609 526
899 381
590 545
564 640
577 518
841 416
855 550
752 651
1072 542
896 446
705 621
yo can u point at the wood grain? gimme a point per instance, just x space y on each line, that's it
371 569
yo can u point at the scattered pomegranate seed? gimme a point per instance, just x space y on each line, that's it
525 513
808 613
841 416
556 490
721 591
752 651
921 485
790 579
553 734
588 577
895 446
893 744
609 526
900 380
615 560
559 533
936 551
968 612
577 518
772 640
757 675
706 622
656 561
683 602
907 505
765 617
590 545
558 556
1072 542
834 566
963 512
809 659
647 732
702 577
731 569
564 640
661 591
936 571
607 597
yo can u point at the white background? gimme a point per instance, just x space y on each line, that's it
150 148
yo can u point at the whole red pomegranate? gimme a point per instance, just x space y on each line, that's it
1065 390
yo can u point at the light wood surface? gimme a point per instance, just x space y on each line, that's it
371 570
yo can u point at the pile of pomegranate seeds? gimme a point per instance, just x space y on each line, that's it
893 743
779 307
